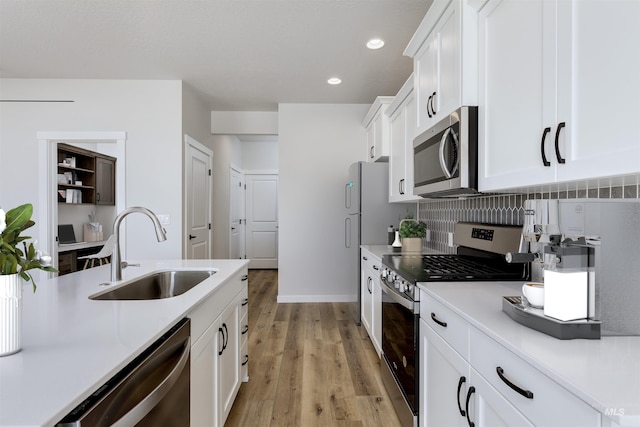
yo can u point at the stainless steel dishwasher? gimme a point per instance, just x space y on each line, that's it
153 390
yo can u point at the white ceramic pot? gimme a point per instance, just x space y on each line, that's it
411 244
10 314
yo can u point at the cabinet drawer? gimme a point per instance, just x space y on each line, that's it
244 302
547 404
450 326
244 362
244 330
203 314
370 261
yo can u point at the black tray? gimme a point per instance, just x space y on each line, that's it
534 318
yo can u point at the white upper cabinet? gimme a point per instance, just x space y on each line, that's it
378 134
558 100
402 114
444 52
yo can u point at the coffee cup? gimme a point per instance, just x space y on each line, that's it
534 294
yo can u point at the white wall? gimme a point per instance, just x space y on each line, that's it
150 112
196 116
317 143
260 155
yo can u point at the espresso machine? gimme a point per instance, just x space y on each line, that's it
566 267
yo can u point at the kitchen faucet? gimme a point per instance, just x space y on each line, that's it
116 264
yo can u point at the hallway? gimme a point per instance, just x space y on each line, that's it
309 365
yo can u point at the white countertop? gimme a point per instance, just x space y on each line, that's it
71 345
380 250
604 373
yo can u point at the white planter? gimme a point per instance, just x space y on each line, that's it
10 314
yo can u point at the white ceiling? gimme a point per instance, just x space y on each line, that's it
238 54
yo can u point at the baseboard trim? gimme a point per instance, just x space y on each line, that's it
283 299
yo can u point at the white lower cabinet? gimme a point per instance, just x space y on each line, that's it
468 379
216 354
371 298
444 380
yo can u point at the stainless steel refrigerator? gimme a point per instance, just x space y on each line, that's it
368 215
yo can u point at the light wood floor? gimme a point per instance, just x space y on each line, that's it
309 365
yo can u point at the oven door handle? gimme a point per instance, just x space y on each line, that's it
408 304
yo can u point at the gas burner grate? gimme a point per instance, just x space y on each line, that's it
455 267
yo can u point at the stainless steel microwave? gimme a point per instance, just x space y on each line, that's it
445 157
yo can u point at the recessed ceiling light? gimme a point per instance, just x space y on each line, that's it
375 44
334 81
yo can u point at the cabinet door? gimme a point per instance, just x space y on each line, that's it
367 299
204 399
516 83
229 359
599 88
371 141
397 159
105 181
444 381
447 73
488 408
425 67
376 311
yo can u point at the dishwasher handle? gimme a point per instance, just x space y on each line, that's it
147 404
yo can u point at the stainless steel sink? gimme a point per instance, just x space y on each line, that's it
159 284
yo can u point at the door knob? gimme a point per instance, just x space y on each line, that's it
191 237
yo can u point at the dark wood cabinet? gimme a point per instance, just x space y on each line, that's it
85 177
105 181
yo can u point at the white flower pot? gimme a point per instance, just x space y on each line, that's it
10 314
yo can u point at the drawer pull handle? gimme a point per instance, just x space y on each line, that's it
365 258
245 330
375 267
246 359
472 390
462 381
245 301
526 393
439 322
244 278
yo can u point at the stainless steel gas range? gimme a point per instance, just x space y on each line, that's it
480 256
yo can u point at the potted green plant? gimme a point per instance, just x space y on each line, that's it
15 264
412 232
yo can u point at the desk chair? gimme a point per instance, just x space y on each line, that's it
101 256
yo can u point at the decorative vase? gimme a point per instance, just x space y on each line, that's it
412 244
10 314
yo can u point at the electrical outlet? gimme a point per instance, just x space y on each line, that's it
165 219
450 239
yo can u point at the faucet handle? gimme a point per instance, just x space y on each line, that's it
125 264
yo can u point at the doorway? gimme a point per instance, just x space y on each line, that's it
110 143
198 188
236 215
262 220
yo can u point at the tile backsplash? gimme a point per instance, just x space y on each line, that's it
440 215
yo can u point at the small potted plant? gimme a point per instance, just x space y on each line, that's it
15 264
412 232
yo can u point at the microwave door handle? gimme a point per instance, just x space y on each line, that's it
443 162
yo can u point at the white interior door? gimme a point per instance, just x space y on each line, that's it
236 232
197 238
262 221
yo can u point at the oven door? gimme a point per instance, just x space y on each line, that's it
400 320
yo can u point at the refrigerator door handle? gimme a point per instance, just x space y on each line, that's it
347 232
347 196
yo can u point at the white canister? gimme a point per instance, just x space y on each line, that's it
10 314
566 295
